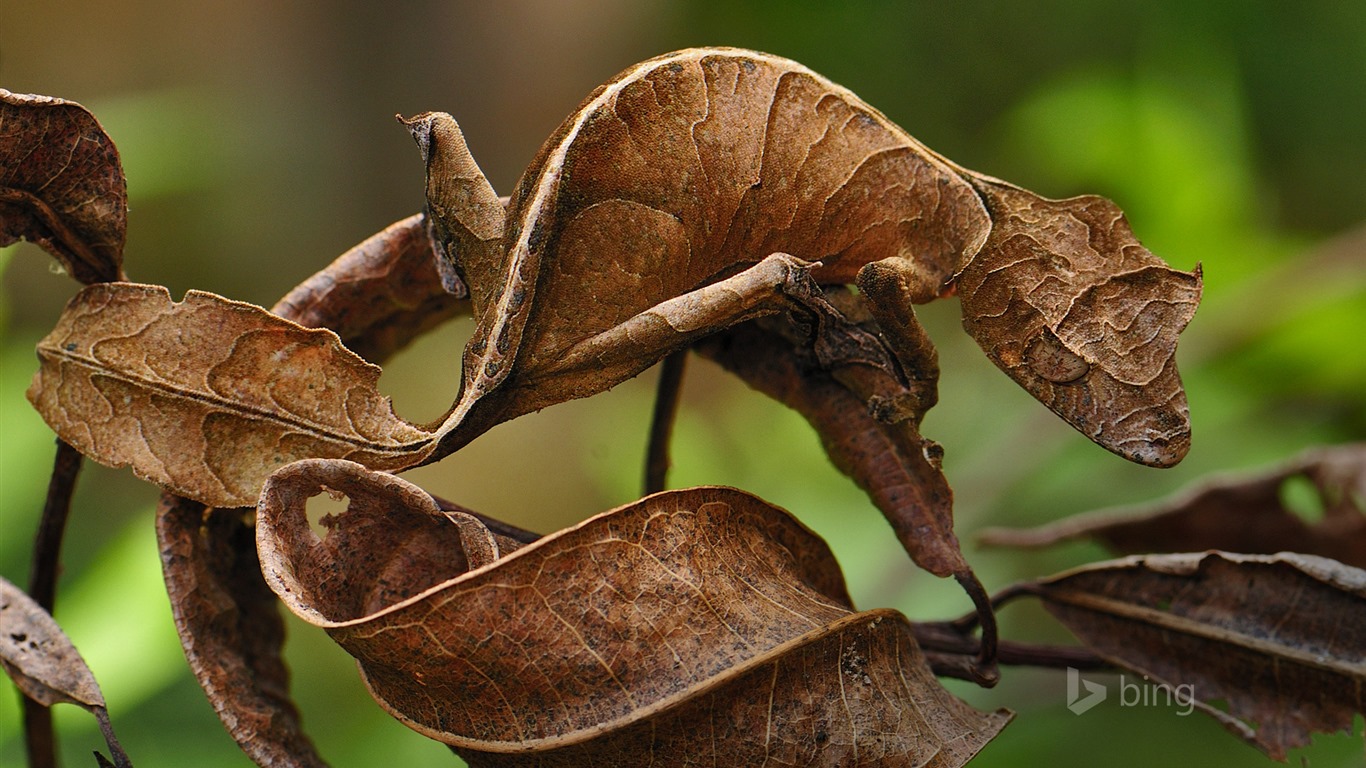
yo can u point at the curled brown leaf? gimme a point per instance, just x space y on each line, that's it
231 629
613 642
208 396
1244 513
61 185
692 166
1280 638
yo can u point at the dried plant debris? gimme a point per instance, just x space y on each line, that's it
1280 639
614 642
41 660
1253 514
61 185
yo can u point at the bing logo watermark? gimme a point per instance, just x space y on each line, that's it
1131 694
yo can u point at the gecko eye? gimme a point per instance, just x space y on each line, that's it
1048 358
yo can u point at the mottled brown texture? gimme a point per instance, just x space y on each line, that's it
1280 638
1064 299
61 185
230 628
696 165
465 217
39 657
208 396
615 642
380 295
1242 513
693 192
46 667
679 173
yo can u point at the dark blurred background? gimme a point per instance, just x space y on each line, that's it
259 142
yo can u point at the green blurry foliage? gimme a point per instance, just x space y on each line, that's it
1229 132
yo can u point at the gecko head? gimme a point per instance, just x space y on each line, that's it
1064 299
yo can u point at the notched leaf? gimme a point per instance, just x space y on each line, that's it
615 642
1279 638
1250 514
1064 299
209 396
61 185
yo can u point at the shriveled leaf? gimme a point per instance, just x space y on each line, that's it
1248 514
45 665
230 628
1064 299
38 655
681 171
380 295
692 625
208 396
886 456
61 185
1280 638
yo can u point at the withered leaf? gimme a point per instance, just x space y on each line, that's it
886 456
38 655
1235 514
380 295
683 171
1064 299
45 665
1280 638
696 624
208 396
230 628
61 185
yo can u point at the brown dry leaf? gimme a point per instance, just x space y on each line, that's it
1280 638
230 628
681 172
380 295
44 664
1064 299
1235 514
208 396
38 655
691 625
61 185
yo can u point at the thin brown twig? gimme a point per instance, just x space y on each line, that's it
941 640
662 422
39 739
984 672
